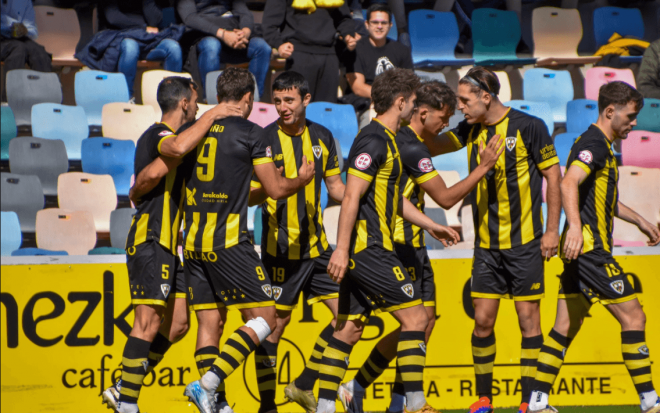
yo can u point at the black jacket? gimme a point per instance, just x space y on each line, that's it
206 16
129 14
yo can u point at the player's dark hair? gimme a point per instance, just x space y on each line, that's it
234 83
480 80
391 84
171 90
289 80
379 7
436 95
619 94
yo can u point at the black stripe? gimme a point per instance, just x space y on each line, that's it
545 368
562 340
207 350
230 360
410 352
130 385
554 352
633 337
532 342
266 378
329 377
412 368
515 206
238 346
528 362
635 356
319 348
483 342
536 192
483 359
134 370
640 371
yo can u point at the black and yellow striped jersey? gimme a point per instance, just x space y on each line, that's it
217 190
592 152
506 203
417 169
293 227
374 157
158 216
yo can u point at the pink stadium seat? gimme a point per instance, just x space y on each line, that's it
263 114
639 186
642 149
620 243
598 76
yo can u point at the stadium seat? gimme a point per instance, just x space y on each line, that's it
101 156
23 195
251 217
438 216
323 198
330 223
425 76
625 231
65 230
263 114
150 81
649 118
598 76
557 33
211 91
453 161
258 226
433 37
9 132
94 88
554 87
35 252
66 123
107 251
639 185
125 121
202 109
120 224
563 144
580 114
619 243
626 22
451 178
505 86
496 34
340 119
393 33
641 149
59 31
539 109
26 88
44 158
11 237
79 191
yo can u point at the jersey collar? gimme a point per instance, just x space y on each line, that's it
500 120
416 134
607 141
168 126
386 128
287 133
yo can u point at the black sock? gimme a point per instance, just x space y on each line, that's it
157 351
483 354
134 367
311 372
333 368
204 358
372 368
265 360
531 347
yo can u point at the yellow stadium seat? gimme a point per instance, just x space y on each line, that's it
125 121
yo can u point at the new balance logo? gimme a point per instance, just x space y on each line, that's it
536 286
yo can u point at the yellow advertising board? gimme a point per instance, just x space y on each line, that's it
64 326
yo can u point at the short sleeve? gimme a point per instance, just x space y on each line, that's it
460 134
332 163
589 157
260 150
158 136
358 65
540 145
366 157
416 160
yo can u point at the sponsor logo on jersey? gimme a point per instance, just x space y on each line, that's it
270 362
423 347
214 195
510 142
166 133
644 350
267 290
408 290
317 151
269 152
278 157
363 161
190 196
586 157
617 286
277 292
425 165
165 288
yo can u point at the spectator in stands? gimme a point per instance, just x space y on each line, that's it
399 17
17 45
375 54
228 28
648 79
306 38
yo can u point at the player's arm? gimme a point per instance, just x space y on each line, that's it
627 214
550 240
150 176
358 84
336 187
278 187
408 211
443 143
176 146
570 197
257 194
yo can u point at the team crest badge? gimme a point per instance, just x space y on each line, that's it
408 289
363 161
510 142
267 290
425 165
317 151
586 157
166 133
617 286
165 288
423 347
270 362
644 350
269 152
277 292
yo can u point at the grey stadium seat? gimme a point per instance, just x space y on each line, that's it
212 94
23 195
44 158
29 87
438 216
120 224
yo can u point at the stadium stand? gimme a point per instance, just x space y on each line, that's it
94 88
339 119
96 194
23 195
44 158
28 87
554 87
9 131
34 252
66 123
437 215
433 37
580 114
330 223
212 94
11 237
598 76
625 22
65 230
59 31
263 114
251 218
563 144
539 109
150 81
201 109
125 121
120 224
496 34
425 76
105 156
453 161
649 117
641 148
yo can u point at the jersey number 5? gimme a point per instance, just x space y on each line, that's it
206 159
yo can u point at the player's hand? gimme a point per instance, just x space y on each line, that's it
444 234
18 30
573 243
650 231
224 110
338 265
549 245
131 195
491 153
285 50
306 171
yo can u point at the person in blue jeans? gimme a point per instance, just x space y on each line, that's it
228 26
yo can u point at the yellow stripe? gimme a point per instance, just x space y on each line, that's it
361 239
192 232
273 227
318 354
252 305
320 298
224 366
550 360
482 190
399 227
550 342
398 307
202 357
483 368
324 153
632 348
455 140
616 300
395 198
491 296
141 229
310 195
548 163
429 303
615 197
132 378
408 345
503 200
483 351
233 352
530 353
588 237
334 371
313 366
335 354
149 302
528 297
545 377
582 166
255 184
324 240
352 317
267 385
412 361
292 222
166 223
426 177
129 392
210 306
160 143
286 307
261 161
380 199
373 366
209 231
327 385
332 172
233 225
133 362
525 192
408 377
637 364
181 295
644 378
360 174
366 374
528 371
600 198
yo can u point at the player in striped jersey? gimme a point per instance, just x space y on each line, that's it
294 248
591 274
510 243
436 103
155 274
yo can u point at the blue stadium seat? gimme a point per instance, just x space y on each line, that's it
580 114
393 33
32 252
94 88
563 144
649 118
67 123
340 119
496 34
252 217
539 109
11 237
258 227
113 157
9 132
554 87
426 76
324 196
433 37
626 22
454 161
562 218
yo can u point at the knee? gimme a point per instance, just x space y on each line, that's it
172 47
130 49
179 329
209 46
635 321
261 46
484 324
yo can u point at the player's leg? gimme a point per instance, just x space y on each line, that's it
529 319
210 326
265 361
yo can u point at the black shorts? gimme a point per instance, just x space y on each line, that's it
153 273
376 280
598 277
417 263
512 273
232 277
291 277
